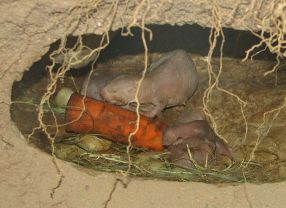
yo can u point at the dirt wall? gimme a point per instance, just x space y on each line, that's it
28 175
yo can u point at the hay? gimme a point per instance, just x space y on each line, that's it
117 161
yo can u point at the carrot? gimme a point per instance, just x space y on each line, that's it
112 122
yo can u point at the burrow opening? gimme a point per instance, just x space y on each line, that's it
126 55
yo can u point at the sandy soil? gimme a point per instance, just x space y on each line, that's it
28 175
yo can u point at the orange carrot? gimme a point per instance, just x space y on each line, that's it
113 122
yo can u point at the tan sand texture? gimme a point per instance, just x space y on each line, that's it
28 176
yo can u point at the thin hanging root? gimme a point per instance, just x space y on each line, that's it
252 49
135 23
216 32
59 75
138 88
272 34
258 52
71 58
197 166
274 68
264 128
143 7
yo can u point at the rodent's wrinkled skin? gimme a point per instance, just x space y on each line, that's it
91 87
118 89
190 115
197 128
170 81
201 152
200 138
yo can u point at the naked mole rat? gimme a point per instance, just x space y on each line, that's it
170 81
203 143
196 129
92 86
200 152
